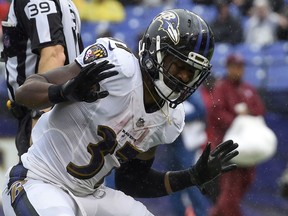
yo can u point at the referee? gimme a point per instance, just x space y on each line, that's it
38 35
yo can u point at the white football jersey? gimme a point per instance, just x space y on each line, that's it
76 145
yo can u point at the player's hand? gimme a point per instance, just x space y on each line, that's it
212 163
85 86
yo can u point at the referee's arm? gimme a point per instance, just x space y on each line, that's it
51 57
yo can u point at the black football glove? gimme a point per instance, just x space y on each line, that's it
212 163
85 86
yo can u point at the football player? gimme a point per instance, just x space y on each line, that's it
111 110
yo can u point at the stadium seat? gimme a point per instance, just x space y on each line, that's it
88 32
207 12
252 54
256 75
221 51
277 77
276 53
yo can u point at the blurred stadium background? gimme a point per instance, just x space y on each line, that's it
266 68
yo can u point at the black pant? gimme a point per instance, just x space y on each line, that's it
23 115
23 134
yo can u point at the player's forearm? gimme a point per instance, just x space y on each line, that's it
141 186
138 180
156 184
179 180
33 93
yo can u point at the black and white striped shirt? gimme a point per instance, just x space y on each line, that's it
35 24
